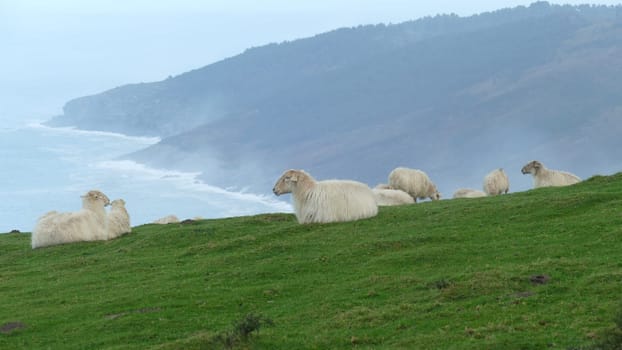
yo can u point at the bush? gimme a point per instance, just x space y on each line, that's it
242 331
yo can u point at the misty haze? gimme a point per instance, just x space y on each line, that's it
456 97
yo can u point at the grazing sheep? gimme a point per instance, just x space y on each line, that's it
468 193
118 219
87 224
496 182
326 201
414 182
169 219
388 197
543 177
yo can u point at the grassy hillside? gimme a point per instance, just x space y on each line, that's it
449 274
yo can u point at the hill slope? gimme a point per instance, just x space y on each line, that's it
447 274
454 96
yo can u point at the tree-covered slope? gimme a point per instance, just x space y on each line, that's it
454 96
536 269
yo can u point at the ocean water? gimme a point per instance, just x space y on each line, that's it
47 169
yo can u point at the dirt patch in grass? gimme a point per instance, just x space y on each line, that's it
540 279
11 326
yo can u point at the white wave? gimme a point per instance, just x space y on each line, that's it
187 182
73 130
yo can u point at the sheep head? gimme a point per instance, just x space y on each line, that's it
287 182
436 196
96 196
118 203
532 167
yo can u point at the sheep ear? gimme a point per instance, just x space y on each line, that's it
293 178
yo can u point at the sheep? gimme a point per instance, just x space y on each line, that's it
543 177
169 219
388 197
468 193
87 224
328 200
496 182
383 187
118 219
414 182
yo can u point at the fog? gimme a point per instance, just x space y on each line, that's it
54 51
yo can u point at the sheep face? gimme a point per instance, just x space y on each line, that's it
95 196
532 167
286 183
436 196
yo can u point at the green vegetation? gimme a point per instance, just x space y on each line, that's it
532 270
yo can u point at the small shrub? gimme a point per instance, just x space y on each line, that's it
442 284
243 330
610 339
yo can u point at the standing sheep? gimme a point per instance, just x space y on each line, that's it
118 219
543 177
468 193
388 197
87 224
496 182
326 201
414 182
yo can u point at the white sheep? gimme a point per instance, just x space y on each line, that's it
468 193
388 197
496 182
326 201
383 187
87 224
414 182
169 219
543 177
118 219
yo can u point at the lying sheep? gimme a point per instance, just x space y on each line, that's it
496 182
118 219
383 187
87 224
326 201
543 177
388 197
169 219
414 182
468 193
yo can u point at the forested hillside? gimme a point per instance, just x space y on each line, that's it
454 96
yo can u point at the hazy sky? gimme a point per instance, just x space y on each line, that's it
54 50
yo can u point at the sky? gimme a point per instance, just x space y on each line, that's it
56 50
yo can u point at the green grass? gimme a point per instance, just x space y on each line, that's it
451 274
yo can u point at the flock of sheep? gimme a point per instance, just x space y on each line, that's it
91 223
314 202
345 200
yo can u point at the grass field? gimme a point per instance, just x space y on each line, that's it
531 270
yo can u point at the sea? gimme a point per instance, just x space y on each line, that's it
45 168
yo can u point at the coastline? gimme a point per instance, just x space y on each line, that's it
50 167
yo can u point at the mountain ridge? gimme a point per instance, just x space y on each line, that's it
454 96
